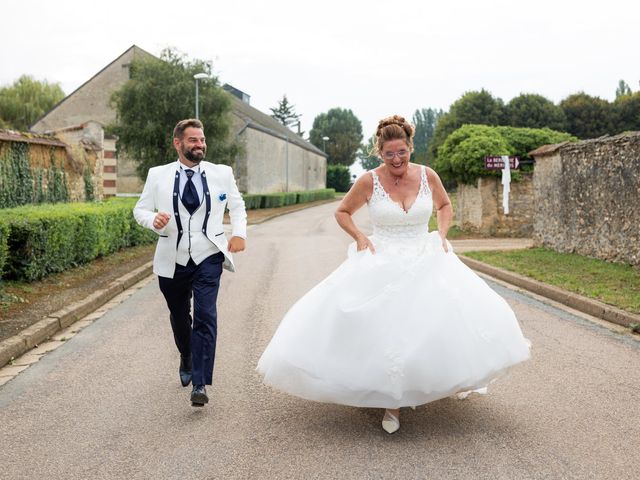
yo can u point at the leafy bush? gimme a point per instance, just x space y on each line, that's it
461 157
338 178
282 199
314 195
4 235
272 200
252 200
290 198
51 238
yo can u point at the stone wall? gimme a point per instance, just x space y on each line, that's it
587 197
479 207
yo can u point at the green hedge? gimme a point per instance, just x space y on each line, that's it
283 199
315 195
252 200
50 238
4 249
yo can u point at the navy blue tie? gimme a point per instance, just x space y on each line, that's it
190 194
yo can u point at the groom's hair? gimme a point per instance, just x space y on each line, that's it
182 125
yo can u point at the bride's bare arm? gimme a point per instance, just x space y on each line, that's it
442 204
355 198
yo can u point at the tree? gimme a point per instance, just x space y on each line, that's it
461 156
286 114
472 108
367 155
338 178
587 116
160 93
345 135
425 121
24 102
626 110
623 89
530 110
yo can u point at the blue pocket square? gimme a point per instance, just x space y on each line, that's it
222 197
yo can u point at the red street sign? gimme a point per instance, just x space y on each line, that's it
496 163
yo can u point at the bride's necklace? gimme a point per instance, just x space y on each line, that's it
396 180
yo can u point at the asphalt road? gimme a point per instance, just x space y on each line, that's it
108 403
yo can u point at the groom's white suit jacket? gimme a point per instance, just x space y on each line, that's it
198 235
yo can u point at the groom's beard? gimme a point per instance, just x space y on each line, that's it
195 155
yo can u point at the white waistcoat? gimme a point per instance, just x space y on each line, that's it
194 243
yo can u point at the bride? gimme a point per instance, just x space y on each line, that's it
402 321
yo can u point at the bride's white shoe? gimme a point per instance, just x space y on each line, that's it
390 423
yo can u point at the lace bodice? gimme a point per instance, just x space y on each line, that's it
391 221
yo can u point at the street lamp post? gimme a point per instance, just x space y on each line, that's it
324 141
198 76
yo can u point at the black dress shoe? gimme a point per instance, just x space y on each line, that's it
199 396
185 371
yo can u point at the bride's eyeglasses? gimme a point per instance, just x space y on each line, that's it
402 154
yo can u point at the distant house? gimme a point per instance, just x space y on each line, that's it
275 159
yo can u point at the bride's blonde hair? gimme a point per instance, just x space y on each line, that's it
394 128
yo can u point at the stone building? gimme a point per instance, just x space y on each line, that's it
274 159
587 197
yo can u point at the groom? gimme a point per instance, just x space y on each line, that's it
184 203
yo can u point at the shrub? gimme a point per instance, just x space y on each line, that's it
51 238
338 178
461 157
290 198
252 200
314 195
272 200
4 235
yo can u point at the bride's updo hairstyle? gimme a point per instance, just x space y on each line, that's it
394 128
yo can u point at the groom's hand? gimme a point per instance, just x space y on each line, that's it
236 244
161 220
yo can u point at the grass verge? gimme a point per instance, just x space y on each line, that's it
611 283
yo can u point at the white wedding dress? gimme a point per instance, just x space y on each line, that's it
405 326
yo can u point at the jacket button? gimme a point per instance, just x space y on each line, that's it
175 194
203 229
180 231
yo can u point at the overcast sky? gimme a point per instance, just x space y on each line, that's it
375 57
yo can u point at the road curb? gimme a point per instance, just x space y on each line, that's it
31 336
583 304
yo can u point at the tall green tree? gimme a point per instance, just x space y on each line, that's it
623 89
530 110
160 93
24 102
626 112
344 130
587 116
480 108
286 114
367 155
424 120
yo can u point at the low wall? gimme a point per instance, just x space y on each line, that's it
587 197
479 207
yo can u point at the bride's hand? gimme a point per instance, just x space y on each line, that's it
444 243
362 243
